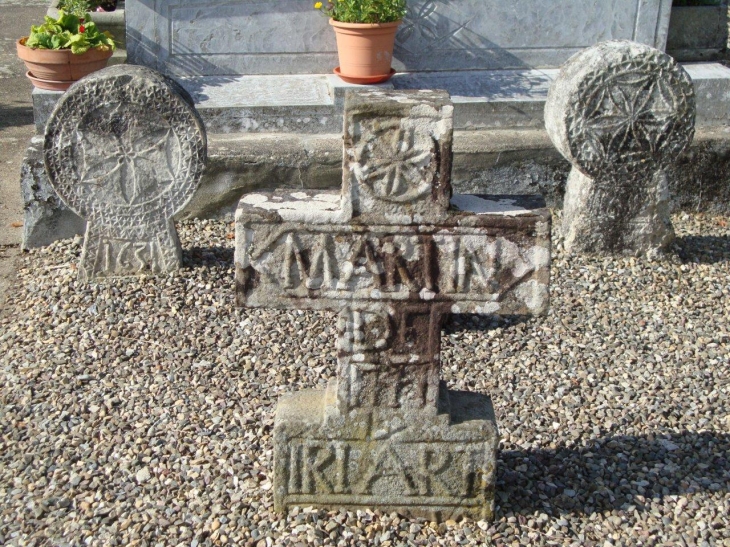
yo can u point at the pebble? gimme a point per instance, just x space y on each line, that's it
140 411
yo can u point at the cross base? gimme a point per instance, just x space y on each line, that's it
437 469
110 251
612 216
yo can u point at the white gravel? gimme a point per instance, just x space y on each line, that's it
139 411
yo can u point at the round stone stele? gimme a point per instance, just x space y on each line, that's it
620 108
125 148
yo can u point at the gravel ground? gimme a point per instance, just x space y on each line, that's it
139 411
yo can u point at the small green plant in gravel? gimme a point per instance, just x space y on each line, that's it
69 31
363 11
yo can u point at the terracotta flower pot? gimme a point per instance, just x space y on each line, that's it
365 51
59 67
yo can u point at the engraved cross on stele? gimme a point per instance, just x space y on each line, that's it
393 252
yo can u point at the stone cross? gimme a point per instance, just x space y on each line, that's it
620 112
125 149
393 255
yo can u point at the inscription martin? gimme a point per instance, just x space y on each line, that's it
392 264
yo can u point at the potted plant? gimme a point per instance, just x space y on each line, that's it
63 50
365 32
81 7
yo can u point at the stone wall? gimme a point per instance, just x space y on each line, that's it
217 37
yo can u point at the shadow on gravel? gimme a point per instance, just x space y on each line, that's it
15 116
612 473
472 322
703 249
207 257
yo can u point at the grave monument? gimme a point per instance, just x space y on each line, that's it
125 150
621 113
393 253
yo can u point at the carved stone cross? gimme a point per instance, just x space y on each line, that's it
394 254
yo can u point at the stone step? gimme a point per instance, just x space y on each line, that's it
496 161
483 99
312 104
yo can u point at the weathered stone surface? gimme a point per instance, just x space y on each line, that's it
620 112
313 104
223 38
485 162
125 149
439 468
397 164
45 217
302 244
393 255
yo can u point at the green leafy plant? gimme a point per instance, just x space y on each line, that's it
82 7
363 11
69 31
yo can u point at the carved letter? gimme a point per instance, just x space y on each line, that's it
294 271
388 463
362 259
138 249
317 477
121 257
323 269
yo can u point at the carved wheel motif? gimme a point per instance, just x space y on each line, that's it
631 116
399 161
125 147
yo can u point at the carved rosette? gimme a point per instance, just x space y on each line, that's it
397 157
621 109
125 149
620 112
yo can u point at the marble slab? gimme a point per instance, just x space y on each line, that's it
227 37
312 104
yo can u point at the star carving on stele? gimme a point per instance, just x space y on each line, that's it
630 115
131 159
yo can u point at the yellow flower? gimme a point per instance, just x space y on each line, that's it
318 5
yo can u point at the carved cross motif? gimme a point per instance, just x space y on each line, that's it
125 150
394 260
129 159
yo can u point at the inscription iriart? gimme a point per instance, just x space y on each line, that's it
348 472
